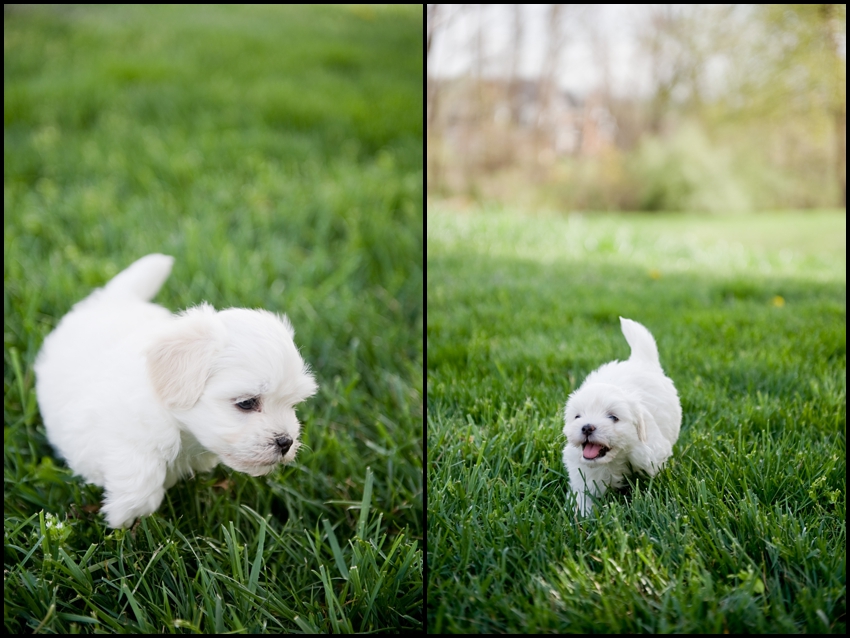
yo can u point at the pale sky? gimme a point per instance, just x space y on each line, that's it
592 32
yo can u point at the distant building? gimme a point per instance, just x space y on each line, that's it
569 124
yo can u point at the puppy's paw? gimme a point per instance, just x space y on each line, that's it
136 491
121 510
583 504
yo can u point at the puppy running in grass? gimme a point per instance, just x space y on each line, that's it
624 418
134 397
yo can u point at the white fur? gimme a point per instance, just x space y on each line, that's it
134 397
643 400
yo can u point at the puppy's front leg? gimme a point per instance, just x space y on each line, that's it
585 490
135 490
584 505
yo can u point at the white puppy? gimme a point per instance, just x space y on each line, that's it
625 417
134 397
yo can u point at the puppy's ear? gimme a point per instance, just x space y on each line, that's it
180 360
640 422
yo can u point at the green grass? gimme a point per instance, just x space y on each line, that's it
276 152
744 530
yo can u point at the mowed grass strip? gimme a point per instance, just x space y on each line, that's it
745 528
276 152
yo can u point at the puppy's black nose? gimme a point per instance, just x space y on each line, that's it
587 430
283 443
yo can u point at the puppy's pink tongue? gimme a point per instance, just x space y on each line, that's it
591 450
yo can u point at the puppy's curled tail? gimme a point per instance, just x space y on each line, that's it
143 278
641 342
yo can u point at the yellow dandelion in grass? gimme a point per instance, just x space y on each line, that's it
778 301
654 273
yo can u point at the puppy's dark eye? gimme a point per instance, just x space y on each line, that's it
611 416
249 405
578 416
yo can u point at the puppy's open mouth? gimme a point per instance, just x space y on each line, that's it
593 451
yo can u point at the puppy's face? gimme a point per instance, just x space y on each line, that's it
233 378
604 422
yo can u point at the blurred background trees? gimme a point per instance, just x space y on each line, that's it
638 107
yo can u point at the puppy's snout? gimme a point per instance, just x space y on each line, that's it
587 430
283 443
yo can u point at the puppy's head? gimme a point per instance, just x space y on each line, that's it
604 421
233 378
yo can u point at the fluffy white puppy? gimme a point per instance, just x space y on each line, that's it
134 397
625 417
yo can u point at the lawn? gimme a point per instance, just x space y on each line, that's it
276 152
744 530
